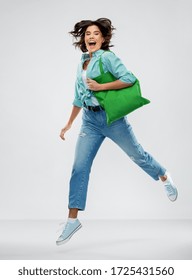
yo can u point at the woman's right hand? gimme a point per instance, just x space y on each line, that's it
64 130
74 113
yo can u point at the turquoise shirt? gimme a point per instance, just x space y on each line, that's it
111 63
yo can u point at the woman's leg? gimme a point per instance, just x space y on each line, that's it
122 134
88 143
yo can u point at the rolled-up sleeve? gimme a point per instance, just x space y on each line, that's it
77 100
114 65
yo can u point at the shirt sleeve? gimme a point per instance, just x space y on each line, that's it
77 101
114 65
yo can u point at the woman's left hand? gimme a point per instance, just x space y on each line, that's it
93 85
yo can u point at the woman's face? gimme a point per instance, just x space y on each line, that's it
93 38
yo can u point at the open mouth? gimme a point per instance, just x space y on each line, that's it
92 43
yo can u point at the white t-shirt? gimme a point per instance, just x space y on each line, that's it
84 78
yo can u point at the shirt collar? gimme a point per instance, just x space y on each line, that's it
95 54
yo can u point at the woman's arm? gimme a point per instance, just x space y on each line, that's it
118 84
74 113
114 65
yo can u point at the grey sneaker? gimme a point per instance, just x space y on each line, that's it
170 188
68 231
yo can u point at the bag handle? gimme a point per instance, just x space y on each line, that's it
101 64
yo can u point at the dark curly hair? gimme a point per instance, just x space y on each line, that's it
105 27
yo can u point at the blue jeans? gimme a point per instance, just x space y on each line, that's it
93 131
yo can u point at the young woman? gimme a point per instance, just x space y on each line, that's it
93 38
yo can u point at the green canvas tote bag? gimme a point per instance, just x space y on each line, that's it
120 102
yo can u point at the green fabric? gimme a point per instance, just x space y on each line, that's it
120 102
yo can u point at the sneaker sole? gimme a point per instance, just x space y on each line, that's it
67 239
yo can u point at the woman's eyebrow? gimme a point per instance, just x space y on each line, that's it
88 32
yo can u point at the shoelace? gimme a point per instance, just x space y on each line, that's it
170 189
64 225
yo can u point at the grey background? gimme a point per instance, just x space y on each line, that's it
37 69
